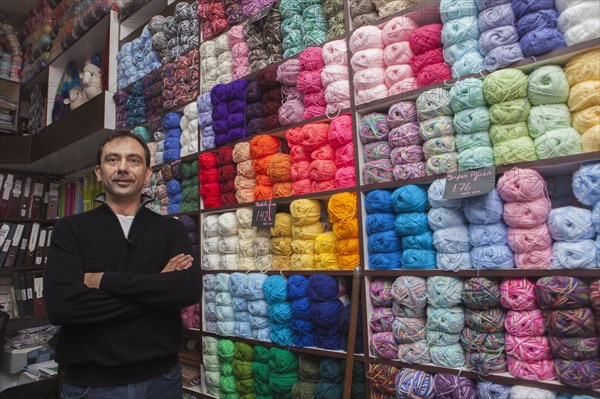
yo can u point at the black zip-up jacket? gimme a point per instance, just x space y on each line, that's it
130 329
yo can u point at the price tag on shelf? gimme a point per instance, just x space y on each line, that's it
263 214
470 183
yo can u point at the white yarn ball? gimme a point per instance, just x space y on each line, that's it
211 226
244 217
587 30
227 224
521 392
211 245
211 261
229 245
229 261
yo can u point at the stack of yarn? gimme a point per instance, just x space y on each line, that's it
572 334
526 210
168 86
243 360
271 97
136 59
264 39
291 25
322 168
345 327
306 226
189 187
14 56
254 109
460 34
229 126
261 371
430 70
447 385
340 139
343 214
210 361
205 121
594 295
373 132
237 284
135 112
411 382
499 39
506 92
573 235
189 130
257 306
381 318
332 375
314 25
236 40
262 245
280 311
398 57
303 141
409 327
445 321
170 124
437 130
212 17
119 99
487 232
363 13
309 82
153 92
382 380
257 52
226 353
245 180
309 373
389 7
407 150
253 7
380 225
334 13
325 251
227 226
450 232
537 27
471 125
527 347
263 150
368 62
334 76
224 306
292 108
187 78
210 189
583 73
172 176
209 323
409 203
208 65
284 372
246 235
37 110
325 308
186 20
483 336
161 195
281 240
358 380
578 20
301 325
224 60
211 255
227 174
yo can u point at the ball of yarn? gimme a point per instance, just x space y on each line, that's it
574 255
518 294
384 344
380 291
498 38
541 41
548 85
492 234
411 198
379 201
411 382
484 209
410 291
583 95
444 218
570 223
539 370
490 321
525 323
451 386
546 118
583 67
561 292
467 94
490 390
426 38
574 348
580 374
480 293
586 184
444 292
527 214
436 127
521 185
505 85
408 224
323 288
398 29
435 194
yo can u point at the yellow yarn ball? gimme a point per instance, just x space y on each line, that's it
325 243
583 67
302 262
282 226
590 140
282 262
282 246
586 118
508 112
346 229
584 95
327 261
342 206
305 212
303 247
308 232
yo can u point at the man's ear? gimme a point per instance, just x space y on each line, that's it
98 172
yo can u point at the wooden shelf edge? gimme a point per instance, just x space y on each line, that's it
503 378
189 157
593 273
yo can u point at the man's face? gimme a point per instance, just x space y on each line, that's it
122 169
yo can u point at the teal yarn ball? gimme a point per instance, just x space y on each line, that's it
289 9
329 390
473 140
423 241
443 319
470 63
454 52
558 143
408 224
472 120
418 259
545 118
411 198
444 291
460 30
282 334
455 9
476 158
442 338
467 94
451 356
143 132
275 289
280 312
548 85
505 85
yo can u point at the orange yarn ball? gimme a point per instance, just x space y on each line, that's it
263 192
315 135
348 247
281 190
348 262
263 180
262 165
346 229
342 206
280 168
263 145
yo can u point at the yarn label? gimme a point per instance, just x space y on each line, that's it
470 183
263 214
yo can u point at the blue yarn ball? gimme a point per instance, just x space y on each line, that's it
454 9
322 287
454 261
259 322
419 241
243 330
596 217
236 283
418 259
491 390
522 7
411 198
262 334
452 240
297 287
245 317
301 308
325 314
413 384
239 304
410 224
380 222
582 254
492 257
436 196
304 332
541 41
328 338
253 290
379 201
443 218
570 223
174 187
344 328
275 289
540 19
484 209
171 155
282 334
384 243
586 184
171 120
490 234
173 207
280 312
385 261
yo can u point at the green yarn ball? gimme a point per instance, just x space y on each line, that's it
232 395
467 94
513 151
548 85
283 361
245 387
289 8
359 390
502 133
309 369
510 112
226 369
472 120
209 345
336 26
262 354
476 158
243 351
473 140
442 164
242 369
304 390
143 132
331 370
226 350
558 143
505 85
545 118
329 390
282 383
228 384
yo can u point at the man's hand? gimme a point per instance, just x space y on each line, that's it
92 280
178 262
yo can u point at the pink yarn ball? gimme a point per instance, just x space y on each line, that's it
338 93
301 187
335 53
292 111
318 186
333 73
340 131
345 177
527 323
527 240
315 99
309 82
397 53
398 29
287 73
518 293
300 153
314 111
235 35
542 370
311 59
368 78
371 58
528 349
344 156
397 73
323 153
434 73
527 214
366 37
335 108
430 57
541 259
240 50
372 94
300 170
404 86
426 38
521 185
322 170
410 171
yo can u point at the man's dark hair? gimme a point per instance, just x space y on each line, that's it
120 133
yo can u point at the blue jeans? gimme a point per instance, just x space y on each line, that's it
166 386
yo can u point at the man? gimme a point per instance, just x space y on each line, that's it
115 280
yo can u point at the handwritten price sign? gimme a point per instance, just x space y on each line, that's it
263 214
470 183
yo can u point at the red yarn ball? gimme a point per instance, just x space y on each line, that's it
426 38
434 73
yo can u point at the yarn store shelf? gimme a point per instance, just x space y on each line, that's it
179 214
281 131
594 273
297 349
285 273
500 378
282 200
26 220
426 12
557 57
552 166
190 157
